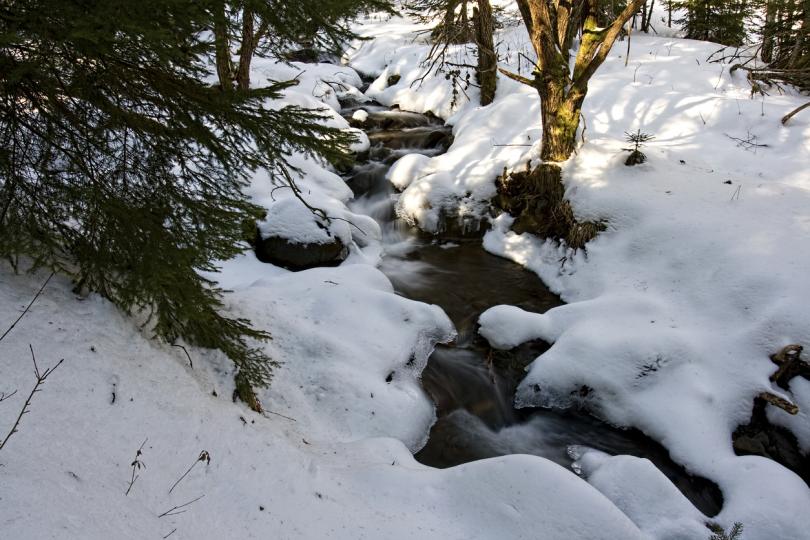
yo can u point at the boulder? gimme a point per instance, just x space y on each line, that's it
300 256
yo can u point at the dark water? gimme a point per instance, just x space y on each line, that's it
472 385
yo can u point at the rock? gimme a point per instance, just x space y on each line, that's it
393 79
434 137
453 227
294 256
305 55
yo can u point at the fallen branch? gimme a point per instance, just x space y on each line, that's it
40 376
791 365
776 401
793 113
748 143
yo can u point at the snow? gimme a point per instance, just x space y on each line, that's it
360 115
673 311
670 317
642 492
318 471
332 455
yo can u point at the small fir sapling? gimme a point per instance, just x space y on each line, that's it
637 139
734 533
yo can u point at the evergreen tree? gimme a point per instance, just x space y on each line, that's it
721 21
271 27
122 169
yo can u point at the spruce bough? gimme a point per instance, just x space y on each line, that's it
122 168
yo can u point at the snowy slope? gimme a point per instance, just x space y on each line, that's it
701 274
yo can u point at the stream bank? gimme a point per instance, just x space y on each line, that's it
472 385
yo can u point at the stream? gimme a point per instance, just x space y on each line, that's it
472 385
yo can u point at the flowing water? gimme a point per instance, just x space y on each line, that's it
472 385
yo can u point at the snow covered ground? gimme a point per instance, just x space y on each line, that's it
701 274
332 456
694 277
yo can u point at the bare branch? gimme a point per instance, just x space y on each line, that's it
515 77
10 328
41 377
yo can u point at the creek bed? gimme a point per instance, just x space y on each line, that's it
472 385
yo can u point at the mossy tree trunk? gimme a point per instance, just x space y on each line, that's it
552 26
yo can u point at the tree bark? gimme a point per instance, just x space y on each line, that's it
246 50
768 31
487 71
222 49
560 117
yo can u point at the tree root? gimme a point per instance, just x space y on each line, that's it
536 198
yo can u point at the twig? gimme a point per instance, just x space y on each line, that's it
41 376
747 143
10 328
4 396
136 464
171 511
720 77
171 533
281 415
204 456
190 363
736 194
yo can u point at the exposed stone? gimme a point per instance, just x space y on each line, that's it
451 226
438 137
294 256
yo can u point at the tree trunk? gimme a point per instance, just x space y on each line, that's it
767 31
222 46
560 117
644 17
245 51
799 49
487 60
561 91
649 17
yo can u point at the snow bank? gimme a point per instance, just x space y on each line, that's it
66 472
643 493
